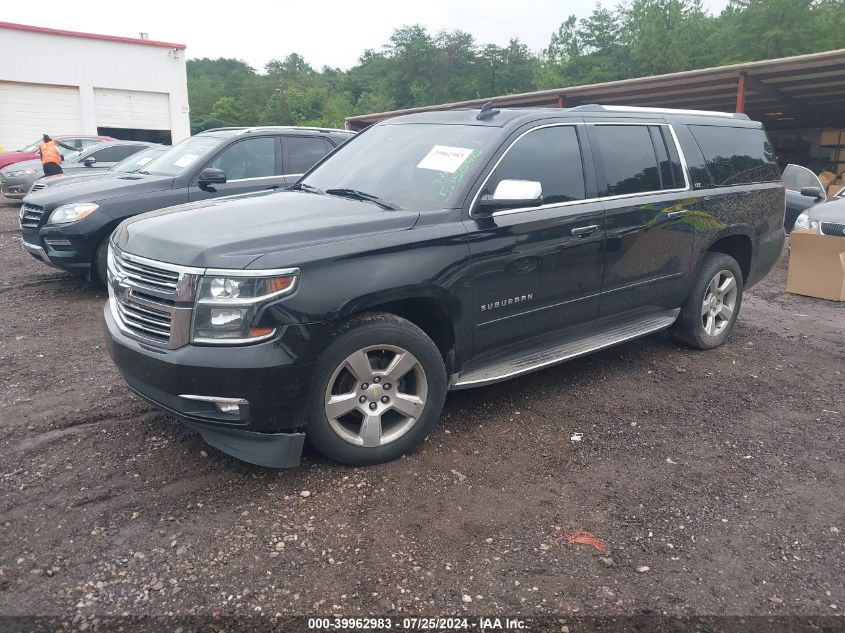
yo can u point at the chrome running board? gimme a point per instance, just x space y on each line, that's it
535 358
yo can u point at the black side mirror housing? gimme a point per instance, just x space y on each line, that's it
813 192
211 176
88 161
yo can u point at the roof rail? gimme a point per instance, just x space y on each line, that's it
294 127
634 109
221 129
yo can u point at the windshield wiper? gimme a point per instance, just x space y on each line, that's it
142 171
301 186
361 195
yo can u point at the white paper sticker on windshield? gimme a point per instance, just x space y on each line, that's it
185 160
443 158
143 161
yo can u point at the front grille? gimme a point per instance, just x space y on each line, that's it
152 301
145 321
832 228
31 216
145 275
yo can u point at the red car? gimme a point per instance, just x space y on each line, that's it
28 152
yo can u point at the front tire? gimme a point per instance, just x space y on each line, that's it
100 263
712 307
377 391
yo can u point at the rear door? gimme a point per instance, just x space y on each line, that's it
250 164
648 239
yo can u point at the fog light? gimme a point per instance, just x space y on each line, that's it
228 407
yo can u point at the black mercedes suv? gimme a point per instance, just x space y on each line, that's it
68 227
438 251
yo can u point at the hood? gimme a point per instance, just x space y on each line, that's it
66 179
830 211
24 164
232 232
88 190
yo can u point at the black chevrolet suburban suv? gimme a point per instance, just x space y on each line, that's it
68 227
438 251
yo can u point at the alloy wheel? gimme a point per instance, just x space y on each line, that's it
376 395
719 304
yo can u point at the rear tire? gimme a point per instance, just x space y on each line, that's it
712 307
377 391
99 274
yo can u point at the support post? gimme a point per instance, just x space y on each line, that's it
740 93
560 101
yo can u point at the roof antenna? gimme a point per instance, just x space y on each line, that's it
487 112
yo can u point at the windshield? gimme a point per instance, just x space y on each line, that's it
180 157
413 166
31 147
138 160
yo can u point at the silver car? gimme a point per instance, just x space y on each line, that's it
16 179
126 166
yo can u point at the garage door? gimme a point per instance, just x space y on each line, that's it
29 110
132 109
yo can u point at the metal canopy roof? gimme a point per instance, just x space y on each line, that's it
791 92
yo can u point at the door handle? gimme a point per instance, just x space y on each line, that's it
584 231
674 215
273 188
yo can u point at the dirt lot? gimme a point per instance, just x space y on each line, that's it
716 479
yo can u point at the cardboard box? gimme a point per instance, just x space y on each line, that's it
833 189
832 137
816 265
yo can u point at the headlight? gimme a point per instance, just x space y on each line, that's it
229 301
22 172
72 212
802 221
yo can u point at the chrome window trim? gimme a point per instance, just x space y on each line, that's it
496 214
253 179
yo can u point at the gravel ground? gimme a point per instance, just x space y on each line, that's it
716 480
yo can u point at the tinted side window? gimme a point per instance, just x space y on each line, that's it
250 158
115 153
301 152
736 155
551 156
630 162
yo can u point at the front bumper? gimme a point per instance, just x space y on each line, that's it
17 187
60 248
269 376
36 251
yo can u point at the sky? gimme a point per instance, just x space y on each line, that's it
325 32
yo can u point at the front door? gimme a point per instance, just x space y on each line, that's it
649 216
250 164
538 270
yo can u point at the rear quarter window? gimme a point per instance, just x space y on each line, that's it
736 155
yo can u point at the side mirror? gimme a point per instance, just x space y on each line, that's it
813 192
88 161
211 176
512 194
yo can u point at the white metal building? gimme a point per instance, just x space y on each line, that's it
64 82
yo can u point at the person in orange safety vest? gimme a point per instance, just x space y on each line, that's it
50 157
